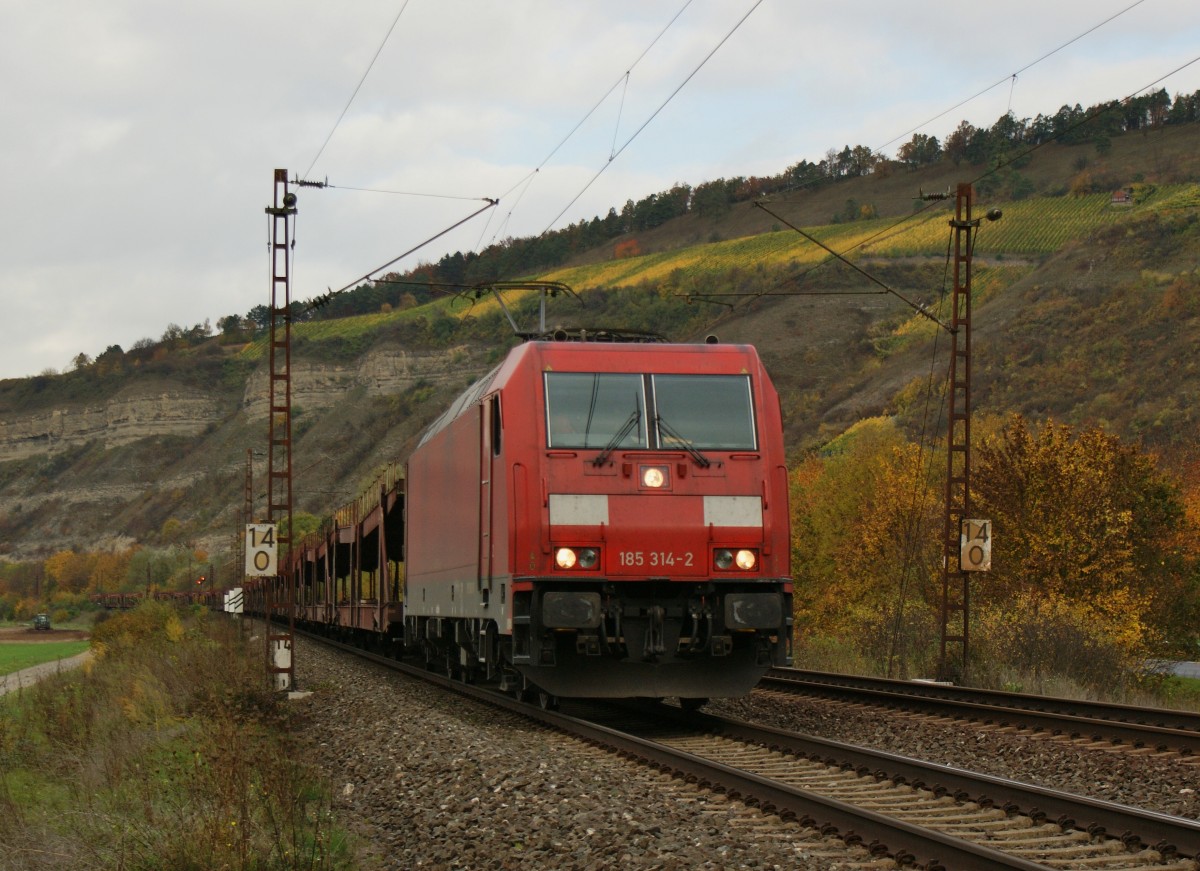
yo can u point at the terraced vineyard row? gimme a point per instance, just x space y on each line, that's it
1029 228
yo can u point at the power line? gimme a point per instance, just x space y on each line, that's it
613 156
1000 164
527 179
920 309
624 78
402 193
1088 117
490 204
1012 76
366 72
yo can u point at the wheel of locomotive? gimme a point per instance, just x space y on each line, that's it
511 680
691 705
521 692
546 701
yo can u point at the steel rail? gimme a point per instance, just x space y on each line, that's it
1162 729
906 842
1162 831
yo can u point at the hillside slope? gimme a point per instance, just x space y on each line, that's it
1084 311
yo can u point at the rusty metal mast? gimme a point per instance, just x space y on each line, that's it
280 641
248 495
956 599
247 504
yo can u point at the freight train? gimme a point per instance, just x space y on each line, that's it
592 518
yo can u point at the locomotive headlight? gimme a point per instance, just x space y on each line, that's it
576 558
727 559
654 477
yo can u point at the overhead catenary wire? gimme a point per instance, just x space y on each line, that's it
1011 76
613 156
527 179
920 309
1087 118
357 87
895 227
490 204
402 193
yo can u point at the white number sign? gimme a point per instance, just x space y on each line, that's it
261 549
975 546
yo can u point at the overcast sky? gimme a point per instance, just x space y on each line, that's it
140 137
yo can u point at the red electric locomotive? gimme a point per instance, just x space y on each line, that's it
603 519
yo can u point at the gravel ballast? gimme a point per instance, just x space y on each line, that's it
425 779
1166 782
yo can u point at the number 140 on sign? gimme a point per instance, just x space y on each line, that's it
975 546
261 549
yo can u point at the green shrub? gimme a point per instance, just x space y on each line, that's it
168 751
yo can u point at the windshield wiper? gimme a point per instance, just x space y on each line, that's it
701 460
633 420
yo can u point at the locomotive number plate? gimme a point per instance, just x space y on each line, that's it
654 558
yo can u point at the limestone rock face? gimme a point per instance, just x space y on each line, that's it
138 414
379 373
184 448
117 421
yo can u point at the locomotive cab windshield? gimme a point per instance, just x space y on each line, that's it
607 410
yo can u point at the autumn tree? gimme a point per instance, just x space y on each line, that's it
109 570
958 143
70 571
864 554
1081 571
921 150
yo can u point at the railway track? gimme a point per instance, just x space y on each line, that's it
1120 726
918 813
1019 821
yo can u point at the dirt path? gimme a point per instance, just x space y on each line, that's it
27 635
29 676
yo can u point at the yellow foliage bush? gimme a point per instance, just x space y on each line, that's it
149 623
1042 633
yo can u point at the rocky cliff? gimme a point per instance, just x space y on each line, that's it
135 414
86 474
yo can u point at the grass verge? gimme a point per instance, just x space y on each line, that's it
14 657
1182 693
166 751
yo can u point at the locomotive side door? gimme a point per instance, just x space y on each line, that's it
489 449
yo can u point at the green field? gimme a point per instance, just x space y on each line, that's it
14 657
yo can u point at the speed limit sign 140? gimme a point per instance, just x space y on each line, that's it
975 546
261 549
